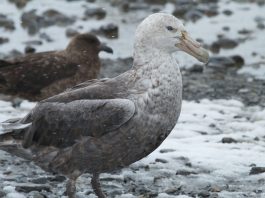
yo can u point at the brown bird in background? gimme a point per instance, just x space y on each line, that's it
38 76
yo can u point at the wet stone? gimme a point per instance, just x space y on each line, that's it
41 180
29 50
45 37
161 160
227 12
3 40
204 194
196 68
6 23
2 194
226 28
185 172
70 32
193 15
33 22
228 140
167 150
226 43
19 3
33 42
98 13
26 188
244 31
257 170
110 31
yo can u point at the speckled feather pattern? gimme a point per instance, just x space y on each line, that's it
108 124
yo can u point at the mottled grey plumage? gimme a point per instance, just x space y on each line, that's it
102 125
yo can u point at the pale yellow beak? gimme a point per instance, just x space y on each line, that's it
193 48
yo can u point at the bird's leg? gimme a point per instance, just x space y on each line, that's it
96 186
70 188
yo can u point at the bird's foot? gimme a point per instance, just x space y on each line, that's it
96 186
70 188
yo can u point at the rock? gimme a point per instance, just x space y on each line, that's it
193 15
167 150
121 65
70 32
57 178
161 160
239 60
26 188
33 42
36 194
244 31
98 13
40 180
110 31
29 50
19 3
52 17
228 140
257 170
227 12
261 26
215 47
196 68
33 22
226 43
156 1
173 191
3 40
2 194
220 62
226 28
45 37
6 23
204 193
180 11
185 172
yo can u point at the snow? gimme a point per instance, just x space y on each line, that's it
195 145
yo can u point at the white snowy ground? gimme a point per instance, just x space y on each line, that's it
195 146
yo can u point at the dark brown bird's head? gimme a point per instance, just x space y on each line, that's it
87 44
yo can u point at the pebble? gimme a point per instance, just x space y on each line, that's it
161 160
185 172
228 140
167 150
110 31
6 23
33 22
227 12
29 50
19 3
257 170
3 40
70 32
204 194
28 187
98 13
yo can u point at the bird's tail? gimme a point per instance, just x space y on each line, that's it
12 125
11 135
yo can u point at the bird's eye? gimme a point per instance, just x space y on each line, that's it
169 28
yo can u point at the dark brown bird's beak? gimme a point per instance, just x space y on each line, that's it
105 48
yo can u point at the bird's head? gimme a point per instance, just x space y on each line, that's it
167 33
88 43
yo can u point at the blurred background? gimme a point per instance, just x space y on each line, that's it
232 30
